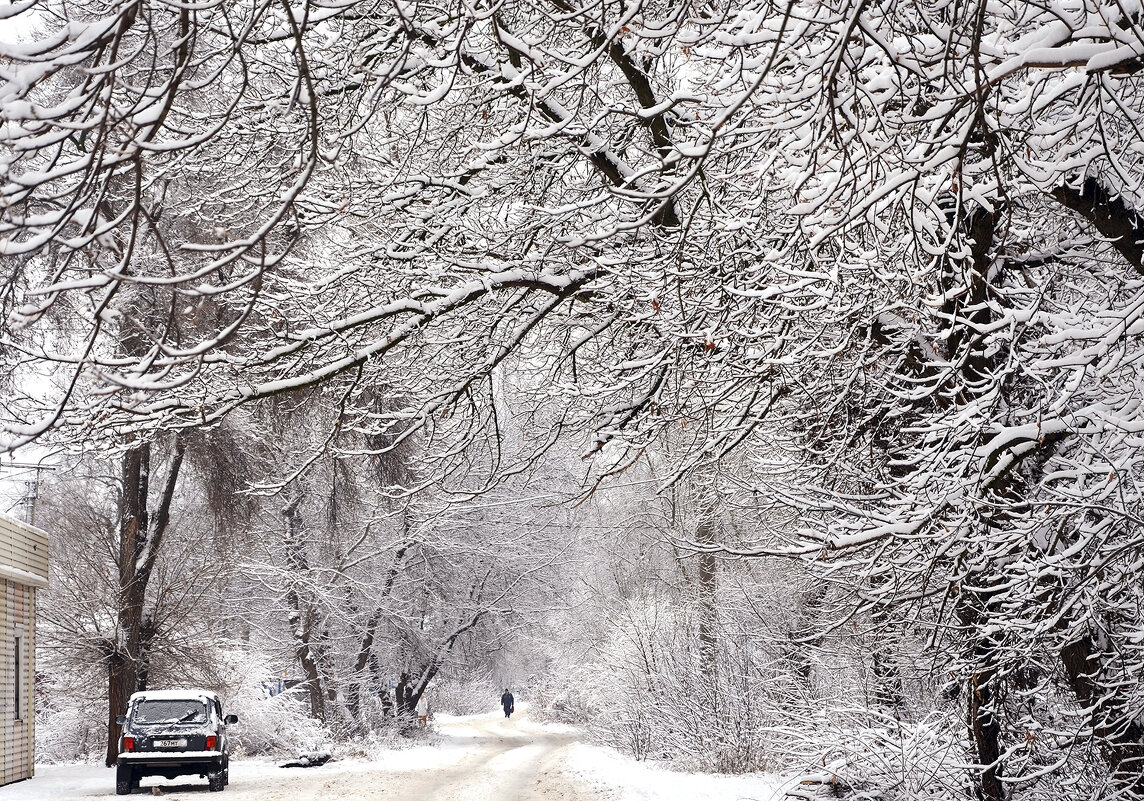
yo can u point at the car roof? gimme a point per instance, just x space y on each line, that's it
174 695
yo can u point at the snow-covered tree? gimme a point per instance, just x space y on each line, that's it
890 252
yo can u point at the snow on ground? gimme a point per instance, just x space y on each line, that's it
478 758
642 781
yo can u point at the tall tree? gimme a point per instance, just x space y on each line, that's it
141 533
872 240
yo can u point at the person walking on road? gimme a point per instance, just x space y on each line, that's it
506 701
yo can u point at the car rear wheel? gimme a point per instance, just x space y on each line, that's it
216 781
125 780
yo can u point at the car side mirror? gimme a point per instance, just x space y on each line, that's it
120 720
230 719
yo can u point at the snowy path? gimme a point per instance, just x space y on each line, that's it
479 758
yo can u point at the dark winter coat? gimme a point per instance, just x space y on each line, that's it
507 702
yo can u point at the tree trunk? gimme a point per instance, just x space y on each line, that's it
708 612
402 695
974 610
121 675
365 658
364 655
120 685
986 733
140 538
411 687
1118 730
1109 213
303 617
968 314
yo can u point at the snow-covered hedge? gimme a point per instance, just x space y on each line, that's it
268 725
469 696
274 726
861 754
70 730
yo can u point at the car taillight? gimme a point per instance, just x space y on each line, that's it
212 742
128 743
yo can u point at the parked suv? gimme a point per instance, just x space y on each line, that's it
173 733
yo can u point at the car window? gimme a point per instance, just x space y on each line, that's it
180 711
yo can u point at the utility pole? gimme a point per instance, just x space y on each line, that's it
32 492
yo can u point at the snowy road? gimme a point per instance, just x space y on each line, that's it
477 758
506 763
481 758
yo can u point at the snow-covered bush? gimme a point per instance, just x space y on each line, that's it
466 696
861 754
70 731
268 725
384 736
675 713
274 726
576 702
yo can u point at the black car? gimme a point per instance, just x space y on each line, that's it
173 733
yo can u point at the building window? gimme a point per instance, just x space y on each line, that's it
19 681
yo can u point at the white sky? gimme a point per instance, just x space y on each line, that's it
16 28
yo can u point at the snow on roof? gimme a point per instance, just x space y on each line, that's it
175 695
23 524
24 577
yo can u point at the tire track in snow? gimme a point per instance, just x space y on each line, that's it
513 764
481 758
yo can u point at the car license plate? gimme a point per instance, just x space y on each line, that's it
170 743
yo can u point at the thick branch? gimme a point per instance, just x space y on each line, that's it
1109 214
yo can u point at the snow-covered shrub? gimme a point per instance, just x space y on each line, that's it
862 754
384 737
658 699
268 725
70 732
71 702
552 700
466 696
277 725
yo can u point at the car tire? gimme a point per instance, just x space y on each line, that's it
125 780
216 780
225 776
